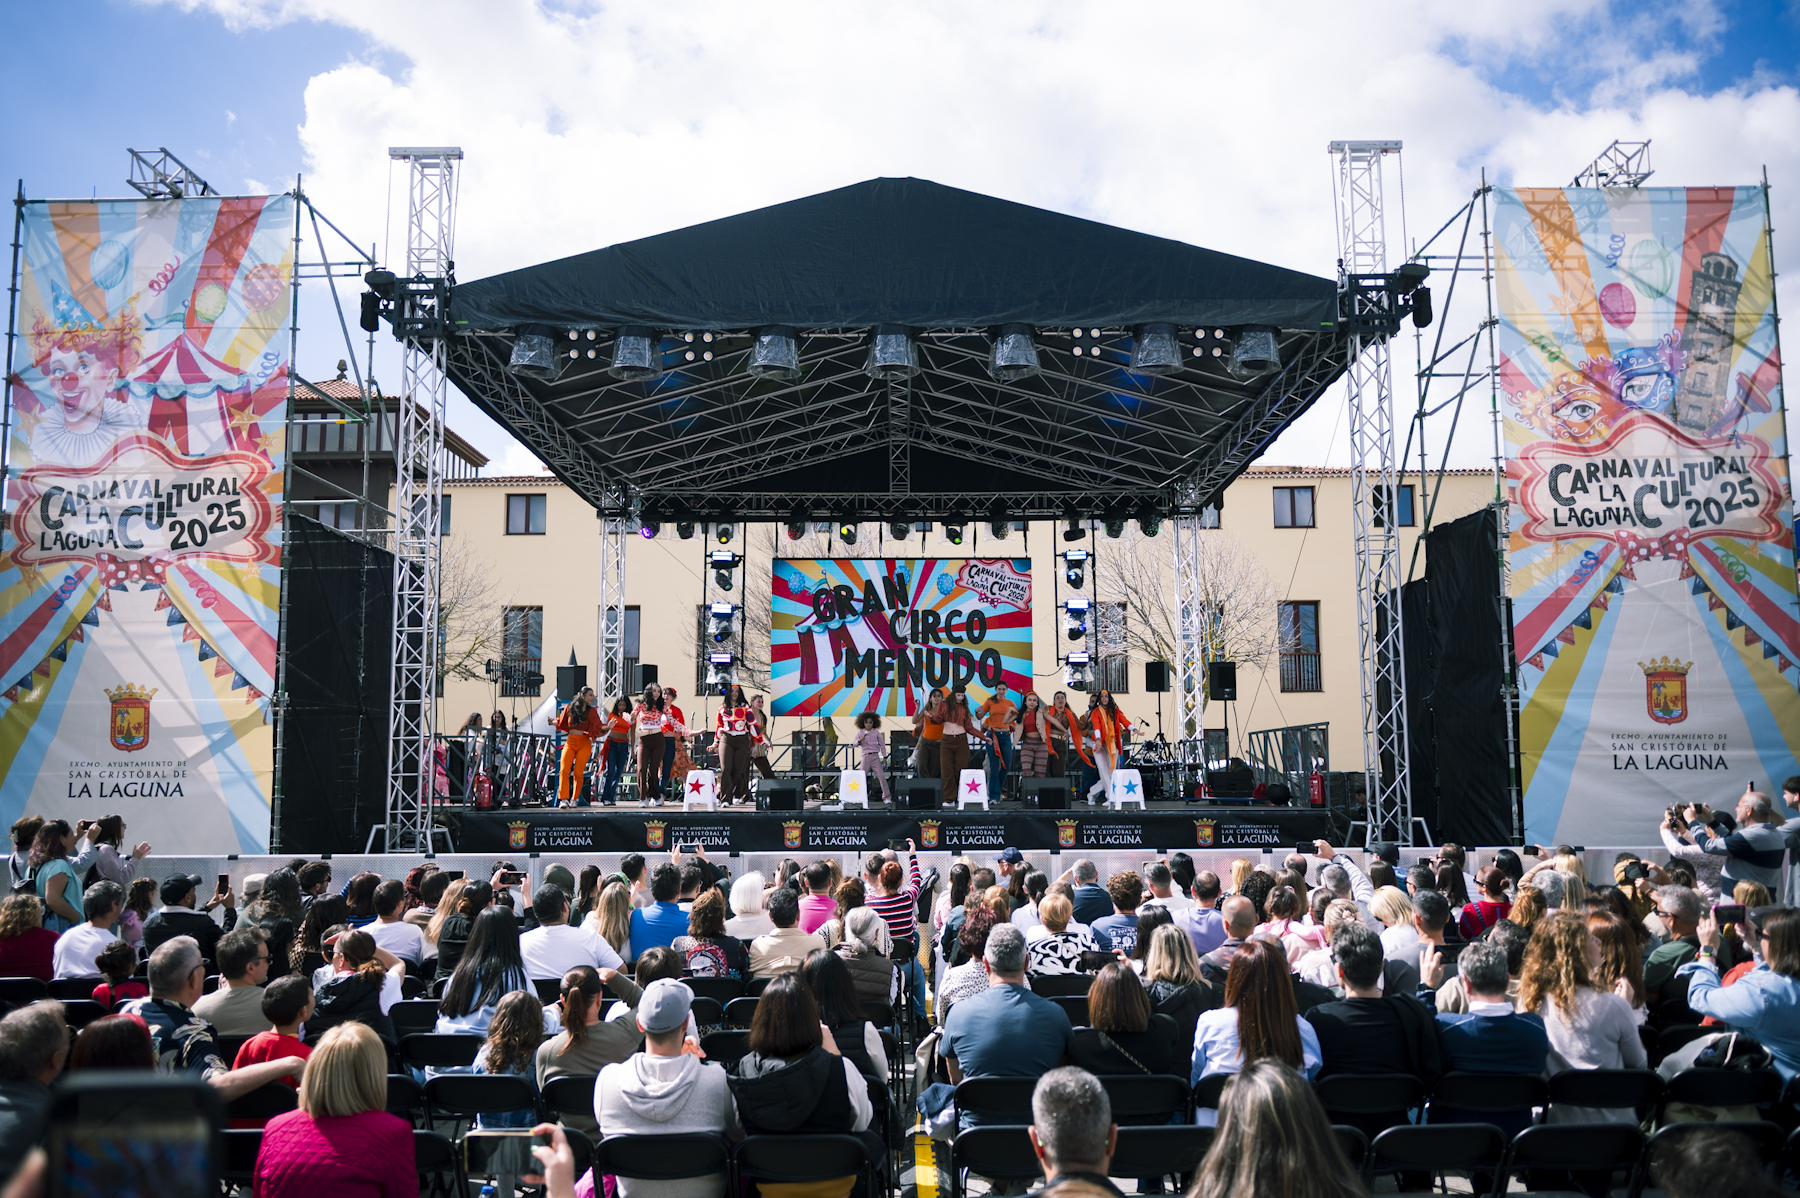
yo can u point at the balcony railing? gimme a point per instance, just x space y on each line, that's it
1300 672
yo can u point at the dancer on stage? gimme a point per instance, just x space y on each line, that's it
648 721
580 720
868 739
928 734
618 749
1064 729
1034 742
738 731
960 726
759 752
1108 729
998 715
671 739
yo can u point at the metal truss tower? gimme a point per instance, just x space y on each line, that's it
612 683
1362 249
1190 634
431 174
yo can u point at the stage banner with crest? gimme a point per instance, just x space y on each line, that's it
849 635
140 568
1652 528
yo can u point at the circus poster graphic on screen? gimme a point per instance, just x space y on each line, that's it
849 635
140 569
1652 528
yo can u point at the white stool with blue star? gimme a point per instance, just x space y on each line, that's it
700 789
1127 787
971 790
853 790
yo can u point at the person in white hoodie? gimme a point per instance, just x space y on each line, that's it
666 1090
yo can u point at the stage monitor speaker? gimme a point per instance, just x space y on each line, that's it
569 681
1156 676
1221 681
781 794
919 794
642 676
1051 794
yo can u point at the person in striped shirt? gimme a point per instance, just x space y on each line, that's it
898 905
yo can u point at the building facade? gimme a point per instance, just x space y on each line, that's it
523 561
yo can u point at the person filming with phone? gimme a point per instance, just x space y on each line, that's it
1765 1001
1754 852
177 917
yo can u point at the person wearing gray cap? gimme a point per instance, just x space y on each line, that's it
665 1091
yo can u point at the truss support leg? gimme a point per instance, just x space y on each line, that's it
613 683
1190 633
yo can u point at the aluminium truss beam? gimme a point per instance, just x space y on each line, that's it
1362 244
612 683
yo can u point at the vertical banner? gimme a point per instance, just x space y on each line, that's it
1652 533
853 635
140 567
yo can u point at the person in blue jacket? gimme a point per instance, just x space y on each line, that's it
1764 1002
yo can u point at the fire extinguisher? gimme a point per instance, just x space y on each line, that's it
1315 787
1200 791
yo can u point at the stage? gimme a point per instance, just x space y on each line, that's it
1166 827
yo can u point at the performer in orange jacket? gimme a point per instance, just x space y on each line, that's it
581 720
1108 730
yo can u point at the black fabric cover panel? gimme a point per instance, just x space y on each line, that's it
897 251
340 608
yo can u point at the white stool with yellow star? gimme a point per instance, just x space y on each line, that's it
853 789
1127 787
700 789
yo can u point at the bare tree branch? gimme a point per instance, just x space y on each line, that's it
468 612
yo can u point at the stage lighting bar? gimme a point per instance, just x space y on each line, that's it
720 665
953 533
723 533
1075 567
795 529
704 354
1075 676
1075 618
847 532
1149 523
724 564
900 530
685 529
649 528
1074 532
724 615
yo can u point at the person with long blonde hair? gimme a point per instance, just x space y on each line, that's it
342 1139
446 907
611 918
1621 967
1528 908
1240 869
1590 1028
1172 978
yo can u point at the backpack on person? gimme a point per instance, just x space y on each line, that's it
28 883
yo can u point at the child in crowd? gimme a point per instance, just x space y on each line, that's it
512 1043
116 963
286 1003
868 739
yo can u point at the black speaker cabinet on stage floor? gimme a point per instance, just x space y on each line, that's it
781 794
1049 794
919 794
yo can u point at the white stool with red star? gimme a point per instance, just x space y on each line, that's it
971 790
1127 787
700 789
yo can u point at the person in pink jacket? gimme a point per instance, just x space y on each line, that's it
341 1141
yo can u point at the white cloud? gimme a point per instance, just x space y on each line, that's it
586 124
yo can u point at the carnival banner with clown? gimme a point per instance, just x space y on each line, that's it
1652 534
140 568
850 635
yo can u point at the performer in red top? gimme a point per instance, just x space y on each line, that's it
618 749
651 721
671 738
581 721
738 729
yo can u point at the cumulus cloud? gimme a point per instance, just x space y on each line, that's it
588 124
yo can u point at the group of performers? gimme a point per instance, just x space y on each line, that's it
654 731
948 734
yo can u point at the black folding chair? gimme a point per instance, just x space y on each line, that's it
1370 1093
998 1100
1146 1101
72 988
660 1158
727 1048
741 1011
416 1017
434 1050
880 1014
720 990
1354 1145
436 1159
1721 1087
1174 1150
228 1046
79 1012
573 1095
238 1166
1670 1039
581 1148
1074 1006
707 1012
800 1159
1209 1089
1572 1148
1489 1092
1061 985
265 1102
549 990
20 991
998 1152
753 987
414 987
211 986
1609 1089
1466 1148
898 1072
405 1097
467 1095
1766 1139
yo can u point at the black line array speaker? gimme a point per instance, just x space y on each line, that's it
1156 676
919 794
781 794
569 681
1051 794
1221 681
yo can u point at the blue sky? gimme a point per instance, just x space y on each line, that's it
562 108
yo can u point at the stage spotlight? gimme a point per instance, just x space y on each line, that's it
847 532
1075 676
1075 618
533 353
998 529
1074 532
1075 567
1149 523
892 353
685 530
775 353
724 615
724 533
1115 527
720 665
1013 355
900 530
724 563
1255 352
648 529
637 354
796 529
1155 350
953 533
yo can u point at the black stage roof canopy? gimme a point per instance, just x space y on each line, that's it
1084 435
